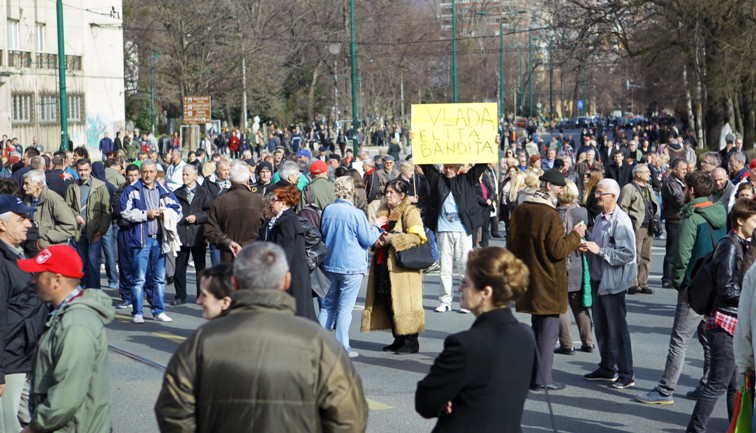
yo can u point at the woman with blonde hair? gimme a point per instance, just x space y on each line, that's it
394 298
579 296
480 381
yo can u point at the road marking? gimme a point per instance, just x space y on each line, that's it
169 336
374 405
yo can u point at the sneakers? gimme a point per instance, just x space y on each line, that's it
464 311
555 386
123 305
694 394
654 397
443 308
162 317
138 318
353 354
435 267
623 383
600 375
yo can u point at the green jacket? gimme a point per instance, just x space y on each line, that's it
98 206
699 220
260 369
54 218
71 374
322 191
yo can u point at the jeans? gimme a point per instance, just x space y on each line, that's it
670 248
546 330
126 264
149 262
612 333
684 326
215 255
10 403
182 261
452 249
108 250
723 377
339 303
90 253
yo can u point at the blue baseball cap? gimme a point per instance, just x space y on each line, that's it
11 203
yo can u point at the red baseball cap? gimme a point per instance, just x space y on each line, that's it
318 167
58 259
753 164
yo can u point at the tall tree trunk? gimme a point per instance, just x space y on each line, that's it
311 90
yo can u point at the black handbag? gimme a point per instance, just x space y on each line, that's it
418 257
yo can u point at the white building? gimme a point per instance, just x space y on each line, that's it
29 101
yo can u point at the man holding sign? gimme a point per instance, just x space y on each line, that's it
452 135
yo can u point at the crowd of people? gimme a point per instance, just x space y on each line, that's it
303 215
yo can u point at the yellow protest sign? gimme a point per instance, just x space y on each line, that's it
454 133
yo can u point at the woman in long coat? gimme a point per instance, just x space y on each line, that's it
284 229
395 295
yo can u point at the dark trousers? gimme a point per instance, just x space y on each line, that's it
582 319
612 333
125 266
723 377
182 261
670 247
546 330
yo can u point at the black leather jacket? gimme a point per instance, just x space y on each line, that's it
728 257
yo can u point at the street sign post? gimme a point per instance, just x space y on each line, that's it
196 110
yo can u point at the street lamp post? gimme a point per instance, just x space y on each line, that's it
501 67
530 72
355 143
62 78
454 49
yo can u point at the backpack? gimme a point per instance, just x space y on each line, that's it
310 212
701 289
314 246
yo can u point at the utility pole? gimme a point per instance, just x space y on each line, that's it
152 91
530 71
355 143
454 49
585 89
502 111
244 95
62 79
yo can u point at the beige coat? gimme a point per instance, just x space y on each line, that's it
406 284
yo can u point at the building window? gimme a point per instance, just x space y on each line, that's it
48 108
14 35
21 108
41 32
75 108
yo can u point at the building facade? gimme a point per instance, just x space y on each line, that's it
29 84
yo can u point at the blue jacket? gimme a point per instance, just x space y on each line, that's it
134 210
617 255
348 235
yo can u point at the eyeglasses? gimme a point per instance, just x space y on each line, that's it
601 194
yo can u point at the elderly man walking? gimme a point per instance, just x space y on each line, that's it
613 272
538 239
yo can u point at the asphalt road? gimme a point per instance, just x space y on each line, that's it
389 380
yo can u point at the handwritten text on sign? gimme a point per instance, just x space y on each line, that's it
454 133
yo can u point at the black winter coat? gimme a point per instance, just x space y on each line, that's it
485 372
623 175
288 233
193 235
22 316
728 257
463 186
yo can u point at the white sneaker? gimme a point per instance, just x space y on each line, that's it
138 318
162 317
443 308
353 354
464 311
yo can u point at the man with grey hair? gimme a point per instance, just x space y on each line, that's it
55 220
723 188
638 201
235 218
23 315
174 171
538 239
738 168
195 201
143 204
584 168
288 175
613 272
289 374
710 161
217 184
